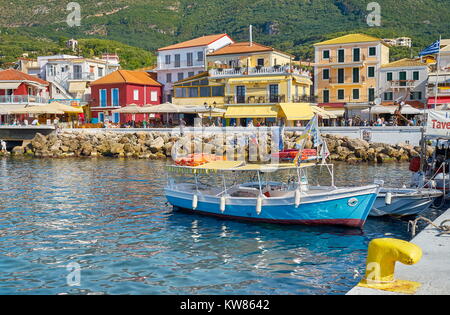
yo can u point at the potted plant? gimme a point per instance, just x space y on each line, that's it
237 68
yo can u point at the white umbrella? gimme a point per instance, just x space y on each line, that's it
379 109
409 110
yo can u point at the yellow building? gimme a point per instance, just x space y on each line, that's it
347 72
252 82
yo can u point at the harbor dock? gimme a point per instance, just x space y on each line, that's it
432 272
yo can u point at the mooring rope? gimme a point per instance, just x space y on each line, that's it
444 228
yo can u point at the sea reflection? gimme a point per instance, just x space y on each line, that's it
111 217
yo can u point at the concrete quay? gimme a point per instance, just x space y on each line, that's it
432 272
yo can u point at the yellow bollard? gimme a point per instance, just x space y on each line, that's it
381 259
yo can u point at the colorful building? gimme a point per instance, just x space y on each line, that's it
179 61
18 90
253 83
406 81
122 88
439 81
347 71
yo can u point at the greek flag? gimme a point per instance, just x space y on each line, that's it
433 49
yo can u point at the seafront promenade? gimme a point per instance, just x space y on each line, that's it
432 271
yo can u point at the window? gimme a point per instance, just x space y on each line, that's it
153 96
261 62
168 59
356 54
372 51
193 91
169 78
200 56
388 96
136 95
191 74
273 93
326 96
190 59
371 72
341 94
371 95
100 72
240 94
326 74
341 75
218 91
103 98
180 92
205 91
389 76
355 75
180 76
177 61
402 78
115 97
355 94
416 75
341 55
416 96
326 54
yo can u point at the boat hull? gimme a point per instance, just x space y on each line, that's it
403 204
344 208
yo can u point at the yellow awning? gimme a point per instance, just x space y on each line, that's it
297 111
252 111
77 87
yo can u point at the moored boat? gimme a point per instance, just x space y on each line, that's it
294 202
404 201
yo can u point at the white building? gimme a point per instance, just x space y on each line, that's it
70 75
401 41
183 60
404 80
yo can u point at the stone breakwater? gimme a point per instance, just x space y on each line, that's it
159 145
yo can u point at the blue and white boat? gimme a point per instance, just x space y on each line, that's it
215 190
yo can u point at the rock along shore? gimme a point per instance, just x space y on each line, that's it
158 145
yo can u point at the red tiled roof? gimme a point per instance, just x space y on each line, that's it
242 48
201 41
16 75
127 76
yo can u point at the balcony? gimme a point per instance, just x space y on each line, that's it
82 76
274 99
402 84
255 71
23 99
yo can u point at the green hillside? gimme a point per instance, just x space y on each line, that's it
290 25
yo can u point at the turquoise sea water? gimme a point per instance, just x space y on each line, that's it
110 216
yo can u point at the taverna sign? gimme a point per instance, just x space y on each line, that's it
438 124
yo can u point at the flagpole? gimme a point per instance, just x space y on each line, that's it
437 74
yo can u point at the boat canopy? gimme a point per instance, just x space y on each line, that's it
231 166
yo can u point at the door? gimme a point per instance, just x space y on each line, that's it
240 94
101 117
273 93
77 72
402 77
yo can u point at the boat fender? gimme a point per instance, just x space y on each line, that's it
381 259
223 204
259 203
195 202
388 198
298 197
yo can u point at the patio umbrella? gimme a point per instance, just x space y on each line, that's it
409 110
380 109
166 108
129 109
